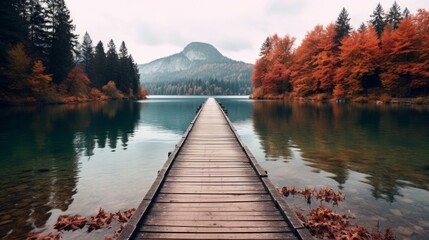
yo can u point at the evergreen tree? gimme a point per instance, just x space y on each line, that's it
135 76
12 28
112 62
87 54
124 77
98 76
406 13
378 20
394 16
38 34
265 48
342 26
63 42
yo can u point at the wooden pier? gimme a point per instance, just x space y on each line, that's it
211 187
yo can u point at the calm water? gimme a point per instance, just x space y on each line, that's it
73 159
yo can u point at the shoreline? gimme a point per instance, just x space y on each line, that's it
360 99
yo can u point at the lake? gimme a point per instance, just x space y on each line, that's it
76 158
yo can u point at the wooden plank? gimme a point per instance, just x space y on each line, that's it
180 229
265 236
221 213
166 222
201 198
221 179
255 187
155 217
215 207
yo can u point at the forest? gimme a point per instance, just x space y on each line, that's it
211 86
41 60
385 58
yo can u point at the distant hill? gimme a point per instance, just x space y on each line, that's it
197 70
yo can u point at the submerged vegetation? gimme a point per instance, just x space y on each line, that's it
387 57
102 219
327 224
42 62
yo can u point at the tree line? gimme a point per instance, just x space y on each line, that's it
42 61
211 86
386 57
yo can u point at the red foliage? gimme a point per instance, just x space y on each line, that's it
360 65
325 223
49 236
72 223
324 194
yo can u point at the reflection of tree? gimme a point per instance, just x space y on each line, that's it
389 144
40 152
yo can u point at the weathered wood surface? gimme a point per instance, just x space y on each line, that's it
212 188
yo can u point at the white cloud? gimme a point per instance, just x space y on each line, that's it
154 29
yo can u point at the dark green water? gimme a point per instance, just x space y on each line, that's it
73 159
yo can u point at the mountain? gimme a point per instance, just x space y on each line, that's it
200 68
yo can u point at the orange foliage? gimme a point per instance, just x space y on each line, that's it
77 83
305 61
39 81
272 72
325 60
360 65
359 60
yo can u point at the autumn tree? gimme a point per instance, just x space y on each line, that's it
325 61
420 69
261 68
111 90
359 63
342 26
400 56
18 69
378 20
77 83
39 81
303 81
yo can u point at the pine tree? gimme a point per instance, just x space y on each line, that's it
394 16
12 28
63 41
112 62
124 78
342 26
87 54
135 77
98 76
38 34
378 20
265 48
406 13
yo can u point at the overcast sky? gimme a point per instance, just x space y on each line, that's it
237 28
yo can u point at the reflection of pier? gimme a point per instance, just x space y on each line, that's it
211 187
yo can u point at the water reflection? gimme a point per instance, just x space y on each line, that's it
39 156
388 144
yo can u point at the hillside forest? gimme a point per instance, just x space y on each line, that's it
384 58
41 60
211 86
